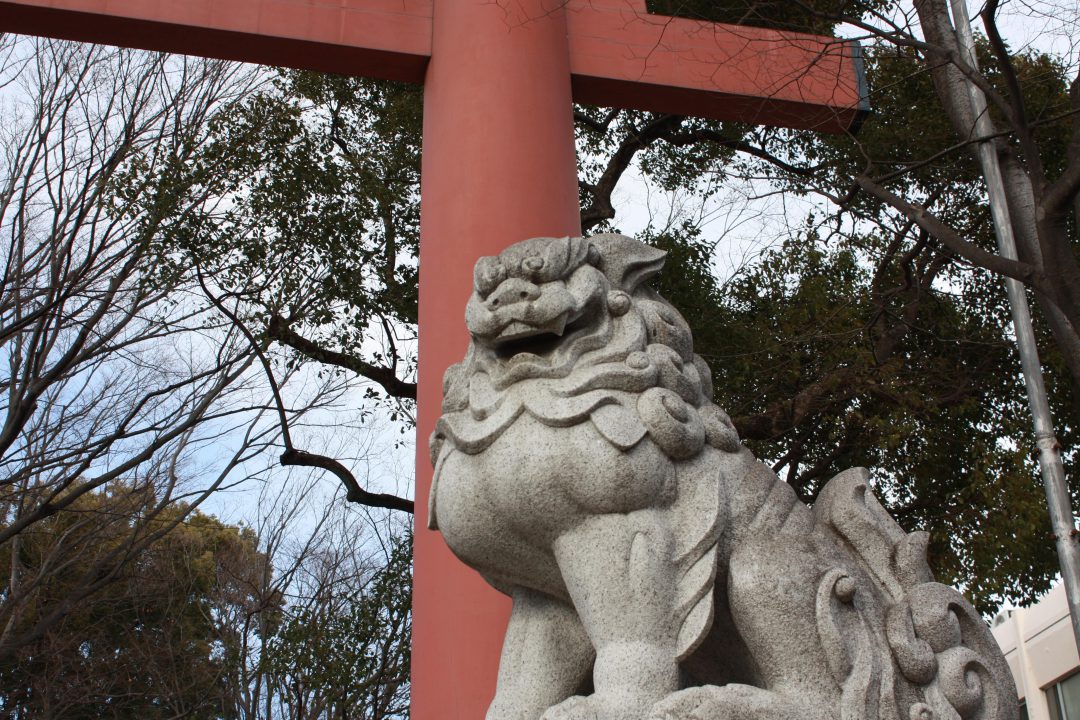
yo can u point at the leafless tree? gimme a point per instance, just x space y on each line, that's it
323 632
119 383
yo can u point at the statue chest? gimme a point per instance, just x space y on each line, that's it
536 481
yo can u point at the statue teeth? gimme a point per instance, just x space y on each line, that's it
516 329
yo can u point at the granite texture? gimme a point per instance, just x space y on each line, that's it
657 569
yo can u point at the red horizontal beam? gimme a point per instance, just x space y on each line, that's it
622 56
387 39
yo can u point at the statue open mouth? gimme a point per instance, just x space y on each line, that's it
541 345
521 341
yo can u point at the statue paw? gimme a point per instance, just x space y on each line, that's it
577 707
730 702
699 703
615 706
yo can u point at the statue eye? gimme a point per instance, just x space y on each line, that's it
489 273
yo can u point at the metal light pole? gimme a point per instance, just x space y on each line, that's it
1053 473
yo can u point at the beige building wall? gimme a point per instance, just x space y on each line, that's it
1038 644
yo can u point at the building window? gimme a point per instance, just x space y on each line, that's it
1064 699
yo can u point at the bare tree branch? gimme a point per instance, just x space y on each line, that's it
278 329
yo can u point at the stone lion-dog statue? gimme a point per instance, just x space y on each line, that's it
657 569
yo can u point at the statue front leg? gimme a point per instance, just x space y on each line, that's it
618 570
546 657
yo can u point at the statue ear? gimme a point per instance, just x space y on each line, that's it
627 262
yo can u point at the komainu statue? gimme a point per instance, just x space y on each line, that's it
657 569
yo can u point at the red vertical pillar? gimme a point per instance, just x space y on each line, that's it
498 167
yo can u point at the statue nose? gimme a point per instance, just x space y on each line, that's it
512 290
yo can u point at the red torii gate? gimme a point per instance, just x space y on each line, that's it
498 167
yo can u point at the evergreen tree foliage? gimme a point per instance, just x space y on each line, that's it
148 644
